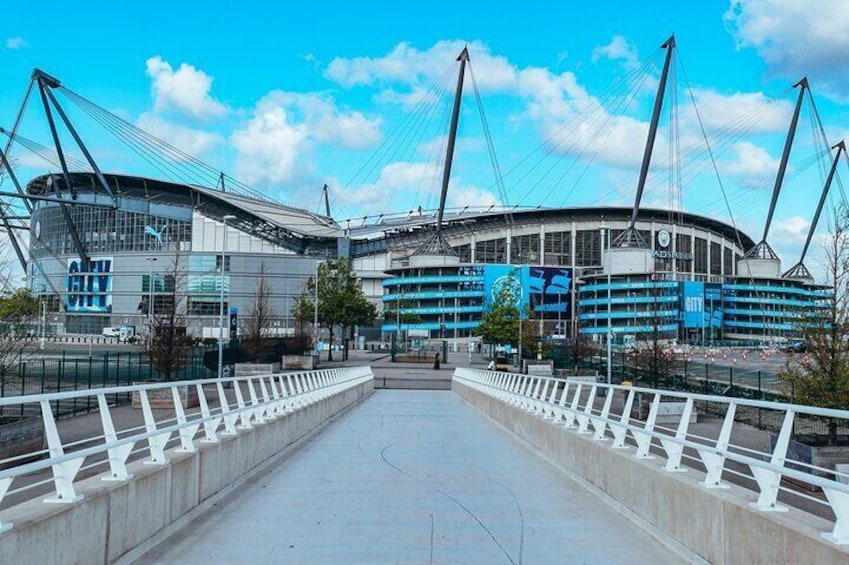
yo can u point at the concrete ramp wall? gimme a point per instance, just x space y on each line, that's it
716 526
117 519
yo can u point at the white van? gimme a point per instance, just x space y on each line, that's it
111 332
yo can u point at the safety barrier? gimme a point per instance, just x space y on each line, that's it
255 400
604 412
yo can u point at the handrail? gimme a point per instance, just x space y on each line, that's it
573 404
269 396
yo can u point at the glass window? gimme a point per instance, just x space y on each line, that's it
558 248
525 249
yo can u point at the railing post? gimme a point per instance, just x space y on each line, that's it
584 415
210 424
117 455
620 430
674 449
65 472
644 437
228 416
187 432
258 408
768 479
156 443
244 415
714 459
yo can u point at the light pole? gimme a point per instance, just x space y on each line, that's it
150 261
315 311
606 268
520 336
225 219
43 323
398 315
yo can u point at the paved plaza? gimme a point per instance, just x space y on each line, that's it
412 477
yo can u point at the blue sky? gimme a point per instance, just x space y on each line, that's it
286 98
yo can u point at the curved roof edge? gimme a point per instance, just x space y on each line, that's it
502 218
211 202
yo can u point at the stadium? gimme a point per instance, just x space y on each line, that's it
109 250
173 234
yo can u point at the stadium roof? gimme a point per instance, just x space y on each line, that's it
309 233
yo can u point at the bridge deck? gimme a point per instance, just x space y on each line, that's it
412 477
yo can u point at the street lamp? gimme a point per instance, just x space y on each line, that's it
602 229
398 314
43 323
150 261
315 312
225 219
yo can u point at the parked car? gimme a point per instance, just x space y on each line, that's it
797 347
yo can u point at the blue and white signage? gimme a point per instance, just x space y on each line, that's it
544 289
89 290
702 305
694 304
504 281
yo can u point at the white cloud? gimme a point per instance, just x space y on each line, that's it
268 147
795 225
751 162
15 43
327 123
796 39
407 65
619 49
460 196
193 141
275 145
186 90
550 100
400 182
719 110
396 180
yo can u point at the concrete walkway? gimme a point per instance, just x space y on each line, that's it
411 477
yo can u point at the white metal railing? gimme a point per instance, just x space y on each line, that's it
268 397
578 405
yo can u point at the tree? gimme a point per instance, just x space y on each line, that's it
652 358
258 319
18 308
395 311
18 305
821 377
341 301
579 348
303 311
500 323
167 347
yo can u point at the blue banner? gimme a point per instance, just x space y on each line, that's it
543 289
505 281
89 290
549 289
693 306
701 304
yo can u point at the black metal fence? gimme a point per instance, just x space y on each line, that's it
69 371
684 375
719 380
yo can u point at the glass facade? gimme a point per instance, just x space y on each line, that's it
491 251
558 248
524 250
104 230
